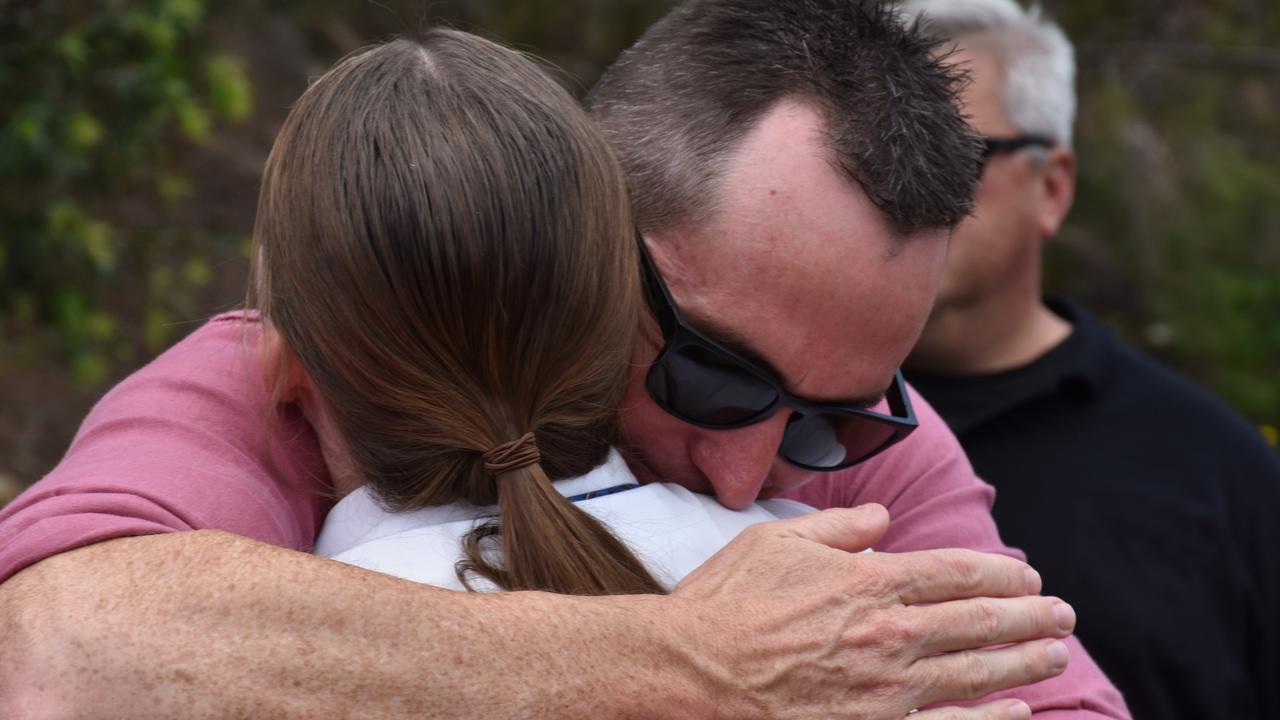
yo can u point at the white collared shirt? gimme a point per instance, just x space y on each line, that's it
671 529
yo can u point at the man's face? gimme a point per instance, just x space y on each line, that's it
799 270
1000 243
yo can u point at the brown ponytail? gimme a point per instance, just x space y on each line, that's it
588 559
443 240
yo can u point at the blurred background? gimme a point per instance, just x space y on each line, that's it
132 135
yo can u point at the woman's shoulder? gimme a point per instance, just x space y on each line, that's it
360 517
220 356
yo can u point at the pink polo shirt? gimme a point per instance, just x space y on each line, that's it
190 442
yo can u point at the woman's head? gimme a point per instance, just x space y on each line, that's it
443 241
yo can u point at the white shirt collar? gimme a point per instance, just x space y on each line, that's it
613 472
360 517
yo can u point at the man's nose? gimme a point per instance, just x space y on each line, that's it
737 462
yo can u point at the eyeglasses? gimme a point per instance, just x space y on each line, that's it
703 383
1005 145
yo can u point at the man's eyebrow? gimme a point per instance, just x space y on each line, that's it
733 340
736 342
867 402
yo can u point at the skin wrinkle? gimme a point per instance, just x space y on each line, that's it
823 653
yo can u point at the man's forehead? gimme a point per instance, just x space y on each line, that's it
741 344
791 332
983 96
799 268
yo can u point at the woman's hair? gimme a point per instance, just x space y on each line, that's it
443 239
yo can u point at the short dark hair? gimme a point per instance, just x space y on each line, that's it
685 95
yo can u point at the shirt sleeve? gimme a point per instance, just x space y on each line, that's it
189 442
936 501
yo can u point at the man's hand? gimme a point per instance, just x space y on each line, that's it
805 628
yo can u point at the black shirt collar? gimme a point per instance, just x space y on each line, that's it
1079 366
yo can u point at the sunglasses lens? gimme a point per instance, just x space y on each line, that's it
707 387
830 440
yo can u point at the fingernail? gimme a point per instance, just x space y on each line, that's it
1065 616
1017 711
1058 655
1033 581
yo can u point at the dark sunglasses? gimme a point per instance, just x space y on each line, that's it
708 385
1005 145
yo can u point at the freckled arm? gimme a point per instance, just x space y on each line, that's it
212 625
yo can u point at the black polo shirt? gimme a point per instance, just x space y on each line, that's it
1147 504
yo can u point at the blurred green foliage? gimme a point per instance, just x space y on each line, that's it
1175 235
98 96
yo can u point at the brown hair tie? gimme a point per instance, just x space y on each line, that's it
513 455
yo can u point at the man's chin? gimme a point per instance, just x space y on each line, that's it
955 297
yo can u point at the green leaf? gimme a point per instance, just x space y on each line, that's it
173 188
99 326
83 131
230 92
175 91
159 33
96 238
194 122
28 129
161 280
69 309
196 272
64 218
73 49
156 329
183 13
89 368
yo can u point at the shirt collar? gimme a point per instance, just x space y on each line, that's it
1078 366
612 473
1083 360
360 511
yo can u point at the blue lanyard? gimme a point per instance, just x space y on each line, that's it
602 493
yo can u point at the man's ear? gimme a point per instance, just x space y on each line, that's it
282 371
1057 190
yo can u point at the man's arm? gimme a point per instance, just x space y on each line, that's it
212 625
208 624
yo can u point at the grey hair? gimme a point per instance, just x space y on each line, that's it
1039 64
